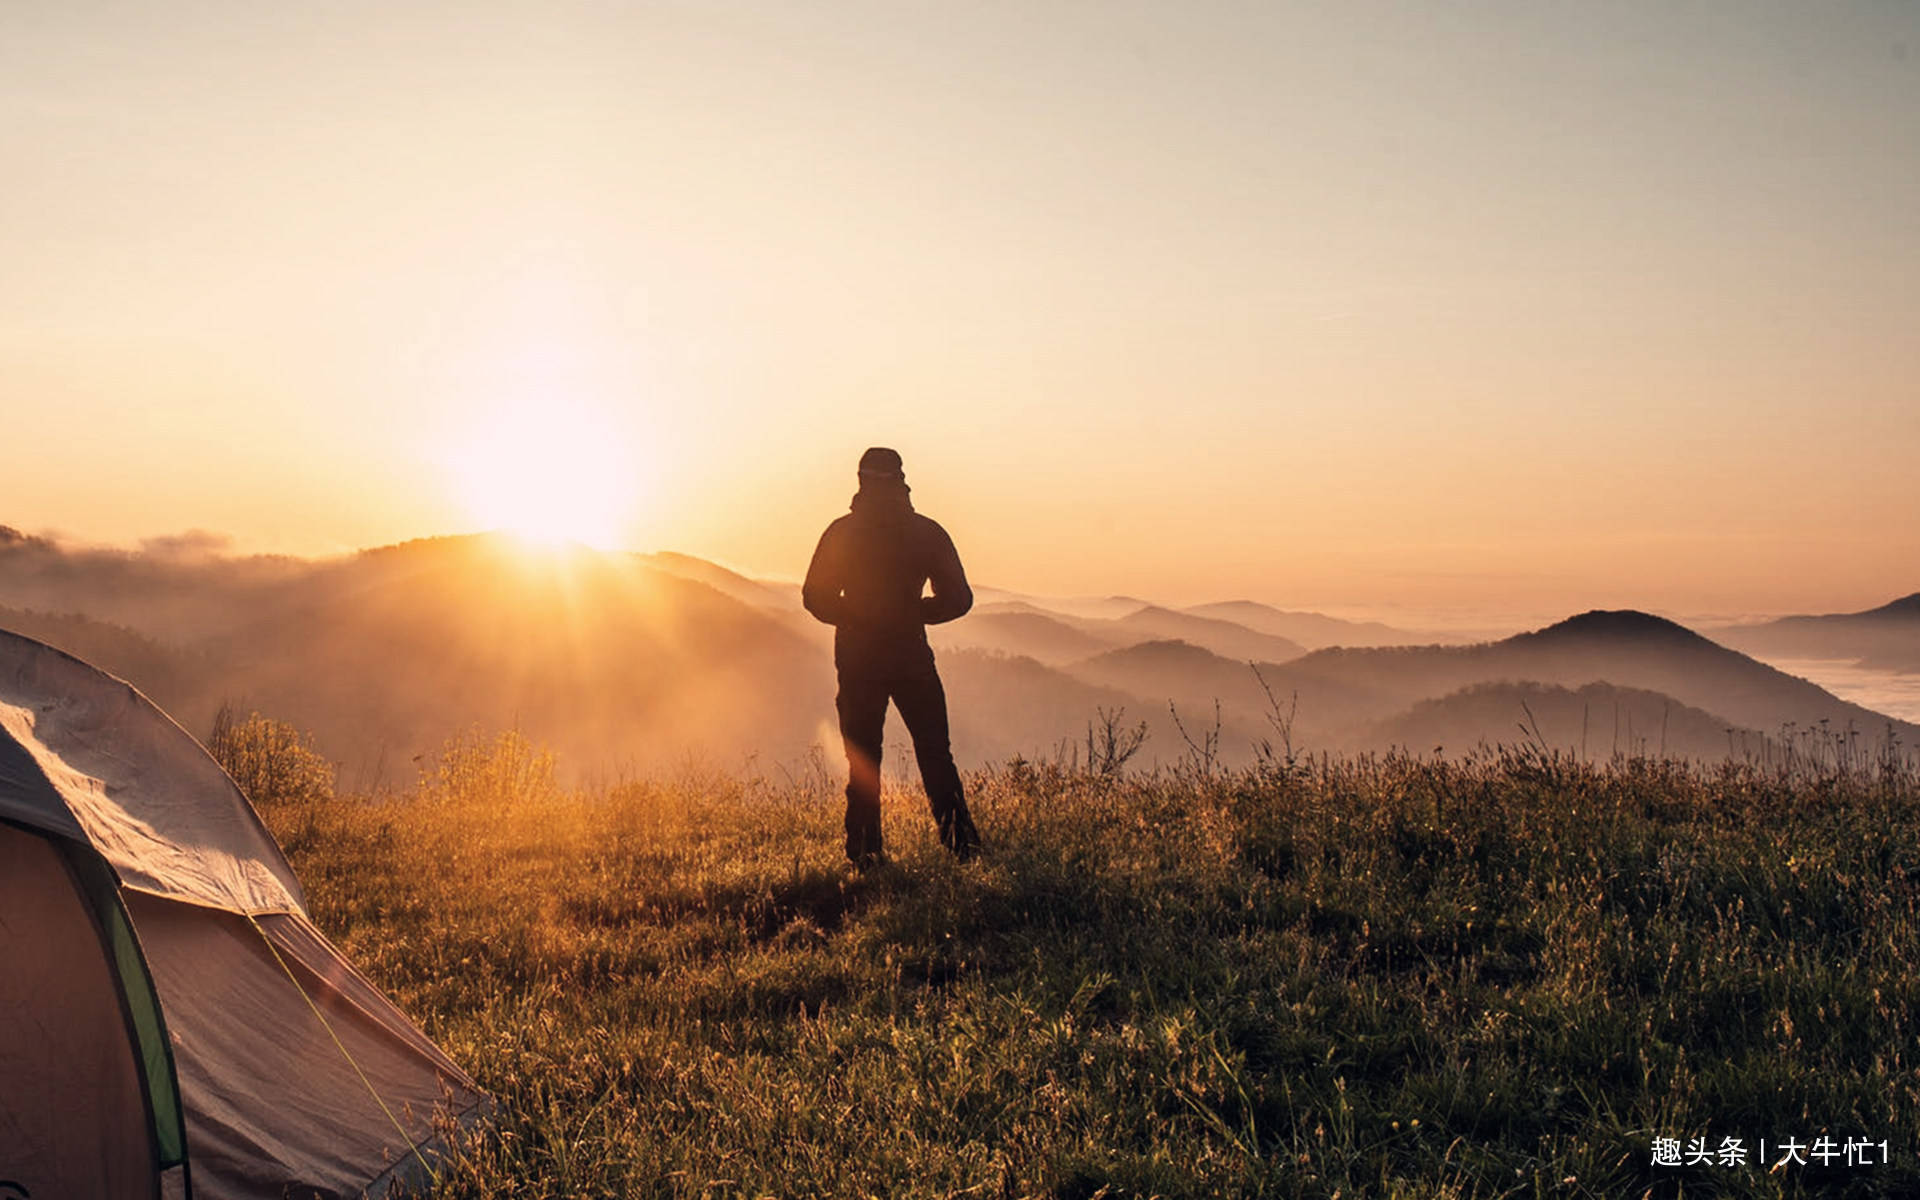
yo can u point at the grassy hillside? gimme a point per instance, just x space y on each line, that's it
1372 978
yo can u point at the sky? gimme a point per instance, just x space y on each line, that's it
1390 307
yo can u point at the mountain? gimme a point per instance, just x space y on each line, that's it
1092 608
1329 711
1314 631
615 661
1887 637
1145 623
170 599
385 654
1170 670
1626 649
758 593
1345 699
629 662
1225 638
1019 633
1593 721
606 660
1174 677
1002 705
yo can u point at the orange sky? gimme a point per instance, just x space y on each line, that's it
1503 306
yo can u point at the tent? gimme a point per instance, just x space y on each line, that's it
171 1022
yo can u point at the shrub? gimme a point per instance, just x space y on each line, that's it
505 768
273 762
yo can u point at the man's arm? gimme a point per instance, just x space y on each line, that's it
821 592
951 596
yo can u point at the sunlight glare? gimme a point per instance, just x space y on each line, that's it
548 472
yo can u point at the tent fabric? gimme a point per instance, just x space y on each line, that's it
300 942
73 1113
292 1075
273 1104
147 796
27 796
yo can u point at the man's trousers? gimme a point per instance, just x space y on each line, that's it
862 704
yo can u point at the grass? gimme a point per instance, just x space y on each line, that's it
1381 977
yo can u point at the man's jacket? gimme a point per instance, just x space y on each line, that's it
867 578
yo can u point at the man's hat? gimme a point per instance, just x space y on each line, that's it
882 463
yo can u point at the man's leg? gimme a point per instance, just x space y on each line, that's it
923 706
862 704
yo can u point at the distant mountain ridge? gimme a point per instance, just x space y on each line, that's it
627 661
741 587
1225 638
1344 698
1148 622
1906 608
384 654
1887 637
1596 720
1021 634
1313 631
1626 649
1179 673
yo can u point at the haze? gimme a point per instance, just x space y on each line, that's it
1497 306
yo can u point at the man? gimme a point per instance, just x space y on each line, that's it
866 581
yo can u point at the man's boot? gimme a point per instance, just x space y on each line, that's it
958 835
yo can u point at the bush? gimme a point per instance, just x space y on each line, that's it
273 762
505 768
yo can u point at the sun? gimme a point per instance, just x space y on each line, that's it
549 473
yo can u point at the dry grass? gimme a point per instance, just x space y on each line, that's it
1382 977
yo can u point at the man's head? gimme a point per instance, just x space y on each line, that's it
880 465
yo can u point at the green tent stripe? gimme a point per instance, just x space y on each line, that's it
169 1124
143 1009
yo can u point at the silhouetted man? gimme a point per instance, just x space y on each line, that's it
866 580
